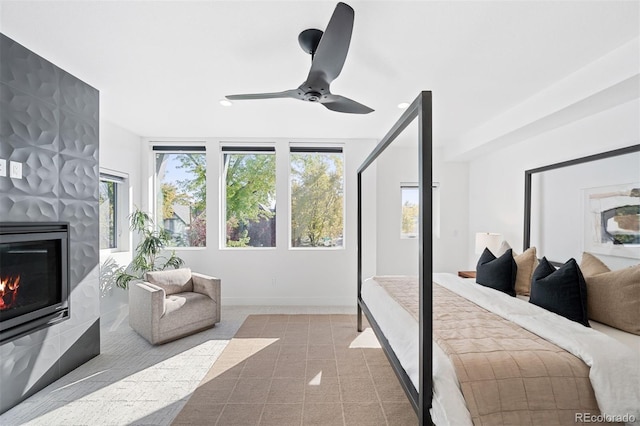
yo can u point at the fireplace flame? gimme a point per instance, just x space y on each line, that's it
9 291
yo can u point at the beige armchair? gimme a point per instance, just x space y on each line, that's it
172 304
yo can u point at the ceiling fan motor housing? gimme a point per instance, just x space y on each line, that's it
312 96
309 40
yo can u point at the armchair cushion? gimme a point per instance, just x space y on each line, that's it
172 281
186 313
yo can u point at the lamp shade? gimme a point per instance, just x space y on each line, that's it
489 240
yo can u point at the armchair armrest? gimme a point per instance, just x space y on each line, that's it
146 306
209 286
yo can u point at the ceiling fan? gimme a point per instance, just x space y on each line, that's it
328 52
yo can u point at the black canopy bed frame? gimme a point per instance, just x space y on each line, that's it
528 184
421 399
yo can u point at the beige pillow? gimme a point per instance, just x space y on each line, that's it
613 298
591 265
172 281
526 263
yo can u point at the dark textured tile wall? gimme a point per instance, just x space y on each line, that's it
49 121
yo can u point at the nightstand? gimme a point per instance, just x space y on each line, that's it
467 274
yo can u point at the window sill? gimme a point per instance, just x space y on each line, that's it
317 248
113 251
247 248
186 248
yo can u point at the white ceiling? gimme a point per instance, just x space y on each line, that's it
162 66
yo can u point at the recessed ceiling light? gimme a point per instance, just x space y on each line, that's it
403 105
225 102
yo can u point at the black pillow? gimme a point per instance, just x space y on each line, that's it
562 291
498 273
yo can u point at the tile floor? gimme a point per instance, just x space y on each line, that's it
134 383
293 370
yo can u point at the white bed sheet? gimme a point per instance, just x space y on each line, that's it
401 330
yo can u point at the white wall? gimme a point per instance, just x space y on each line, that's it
593 110
276 276
496 180
585 113
282 276
450 249
395 255
611 80
120 151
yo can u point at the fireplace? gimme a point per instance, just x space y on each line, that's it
34 277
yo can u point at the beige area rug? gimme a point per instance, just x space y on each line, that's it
299 370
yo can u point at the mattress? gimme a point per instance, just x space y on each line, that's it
401 329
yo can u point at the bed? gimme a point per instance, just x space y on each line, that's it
605 346
426 371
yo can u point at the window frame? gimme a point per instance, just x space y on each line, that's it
230 148
435 206
121 202
173 148
301 148
403 186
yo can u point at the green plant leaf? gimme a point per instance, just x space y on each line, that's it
146 255
124 279
174 261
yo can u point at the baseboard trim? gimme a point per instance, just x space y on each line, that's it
286 301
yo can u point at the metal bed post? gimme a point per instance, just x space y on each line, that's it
359 249
425 258
421 399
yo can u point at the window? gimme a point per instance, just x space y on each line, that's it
180 189
112 204
249 176
411 210
317 197
107 196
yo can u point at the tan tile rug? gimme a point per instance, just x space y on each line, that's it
299 370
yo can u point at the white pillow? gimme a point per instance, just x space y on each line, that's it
504 246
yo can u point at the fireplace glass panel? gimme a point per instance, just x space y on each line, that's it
34 277
30 277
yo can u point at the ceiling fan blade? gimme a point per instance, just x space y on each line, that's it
273 95
341 104
334 45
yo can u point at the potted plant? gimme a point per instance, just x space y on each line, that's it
148 254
